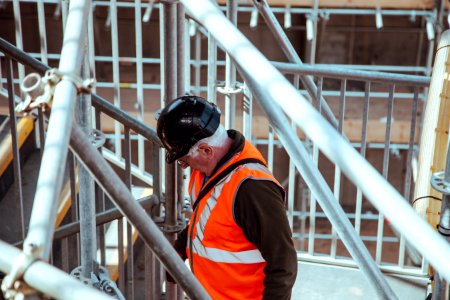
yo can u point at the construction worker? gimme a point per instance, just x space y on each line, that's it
238 241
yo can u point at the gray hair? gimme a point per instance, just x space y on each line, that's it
216 140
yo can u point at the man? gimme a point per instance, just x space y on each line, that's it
238 240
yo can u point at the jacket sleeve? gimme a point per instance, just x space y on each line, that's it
259 210
181 243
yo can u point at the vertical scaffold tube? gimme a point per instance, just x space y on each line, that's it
170 93
50 176
88 237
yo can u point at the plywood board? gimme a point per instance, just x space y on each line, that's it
434 140
384 4
352 127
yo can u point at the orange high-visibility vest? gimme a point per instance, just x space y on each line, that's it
223 260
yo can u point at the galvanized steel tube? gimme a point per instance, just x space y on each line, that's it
230 73
385 170
18 34
351 74
48 279
139 80
212 69
291 54
170 93
115 73
42 31
50 177
104 217
15 147
181 90
441 288
313 201
88 237
129 228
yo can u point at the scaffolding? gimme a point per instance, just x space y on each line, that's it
299 100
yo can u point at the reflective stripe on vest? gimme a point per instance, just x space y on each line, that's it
218 255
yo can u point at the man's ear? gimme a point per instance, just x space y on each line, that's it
205 150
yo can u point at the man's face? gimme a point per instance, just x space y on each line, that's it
198 159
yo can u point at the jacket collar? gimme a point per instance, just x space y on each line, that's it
236 147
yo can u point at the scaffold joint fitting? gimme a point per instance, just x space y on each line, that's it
12 285
439 183
39 90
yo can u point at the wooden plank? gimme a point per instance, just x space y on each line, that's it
352 128
111 238
434 140
24 128
384 4
65 201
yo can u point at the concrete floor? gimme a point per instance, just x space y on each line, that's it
317 281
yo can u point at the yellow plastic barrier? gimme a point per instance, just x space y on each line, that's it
24 128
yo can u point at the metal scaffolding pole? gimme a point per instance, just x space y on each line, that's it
230 73
181 90
39 238
124 200
170 93
16 150
88 237
351 74
48 279
212 69
274 86
441 288
292 55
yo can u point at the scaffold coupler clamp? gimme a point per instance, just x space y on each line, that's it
439 183
230 90
97 138
100 280
13 287
39 90
177 228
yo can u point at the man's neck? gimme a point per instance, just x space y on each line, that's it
220 153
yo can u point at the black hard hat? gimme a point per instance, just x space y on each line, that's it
185 121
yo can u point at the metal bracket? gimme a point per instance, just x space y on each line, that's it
172 228
97 138
100 280
39 90
22 291
237 89
12 286
325 15
439 184
443 231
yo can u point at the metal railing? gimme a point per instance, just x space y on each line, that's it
369 89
